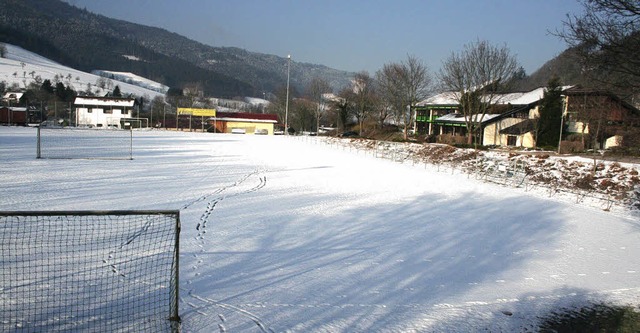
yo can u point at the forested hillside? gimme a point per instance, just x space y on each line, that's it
86 41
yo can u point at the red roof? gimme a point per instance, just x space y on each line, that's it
247 115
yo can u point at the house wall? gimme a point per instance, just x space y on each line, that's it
576 127
492 136
534 112
614 141
248 127
12 117
101 117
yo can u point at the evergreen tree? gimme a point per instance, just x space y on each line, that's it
46 86
116 92
60 91
550 115
69 94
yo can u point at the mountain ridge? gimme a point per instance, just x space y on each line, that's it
80 39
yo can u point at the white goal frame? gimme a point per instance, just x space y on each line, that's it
84 143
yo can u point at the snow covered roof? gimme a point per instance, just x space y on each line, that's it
524 98
12 95
445 98
516 98
459 118
105 101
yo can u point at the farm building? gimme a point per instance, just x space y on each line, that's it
19 115
13 116
103 112
241 122
12 98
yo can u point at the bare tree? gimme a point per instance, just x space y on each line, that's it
404 84
390 83
364 91
302 115
158 109
475 76
315 91
342 107
607 39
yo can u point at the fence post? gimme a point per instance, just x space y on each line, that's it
38 144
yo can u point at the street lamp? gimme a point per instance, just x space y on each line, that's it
286 104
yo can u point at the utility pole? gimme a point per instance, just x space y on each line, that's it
286 105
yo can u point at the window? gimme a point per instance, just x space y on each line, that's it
108 111
512 140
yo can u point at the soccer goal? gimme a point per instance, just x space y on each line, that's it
76 271
78 143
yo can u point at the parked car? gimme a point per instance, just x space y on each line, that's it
349 134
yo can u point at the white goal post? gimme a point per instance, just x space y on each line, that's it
84 143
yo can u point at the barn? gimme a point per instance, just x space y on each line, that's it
15 115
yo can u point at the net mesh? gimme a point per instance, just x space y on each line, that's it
76 143
91 273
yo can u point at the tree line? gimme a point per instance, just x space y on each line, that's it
603 41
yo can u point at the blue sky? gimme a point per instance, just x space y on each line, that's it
356 35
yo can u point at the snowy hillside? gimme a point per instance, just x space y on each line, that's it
21 68
133 79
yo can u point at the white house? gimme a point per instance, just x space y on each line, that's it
12 97
103 112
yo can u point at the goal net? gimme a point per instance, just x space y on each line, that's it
73 142
114 271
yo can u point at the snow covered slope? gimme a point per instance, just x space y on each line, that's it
284 235
22 67
133 79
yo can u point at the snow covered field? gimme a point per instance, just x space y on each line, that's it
284 235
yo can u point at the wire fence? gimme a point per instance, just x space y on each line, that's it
89 271
503 171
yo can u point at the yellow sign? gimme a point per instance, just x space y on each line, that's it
198 112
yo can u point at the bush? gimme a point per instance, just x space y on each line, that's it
569 147
451 139
623 151
593 318
585 182
470 146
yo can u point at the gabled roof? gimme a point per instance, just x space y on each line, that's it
245 116
579 91
105 101
453 118
515 98
445 98
12 95
520 128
